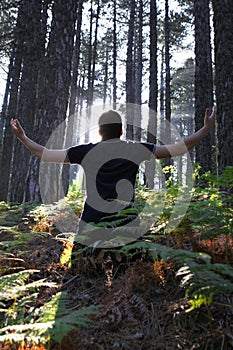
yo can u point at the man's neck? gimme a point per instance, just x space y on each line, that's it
110 139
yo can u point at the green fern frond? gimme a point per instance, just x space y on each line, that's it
202 281
54 320
12 286
64 318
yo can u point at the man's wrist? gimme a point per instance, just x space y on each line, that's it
205 130
22 137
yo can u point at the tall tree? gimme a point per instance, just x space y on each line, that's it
130 90
114 55
54 96
32 59
203 79
168 161
153 90
76 60
223 19
138 73
14 73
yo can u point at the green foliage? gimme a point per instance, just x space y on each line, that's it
19 240
209 211
202 281
53 320
75 197
199 277
63 317
23 320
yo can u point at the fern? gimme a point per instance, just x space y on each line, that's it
56 319
203 281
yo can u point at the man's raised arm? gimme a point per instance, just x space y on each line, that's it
189 142
41 152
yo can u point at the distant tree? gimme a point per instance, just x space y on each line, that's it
182 92
182 88
203 80
8 17
167 136
223 19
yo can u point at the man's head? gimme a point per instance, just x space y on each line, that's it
110 125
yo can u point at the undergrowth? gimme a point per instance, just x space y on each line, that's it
209 219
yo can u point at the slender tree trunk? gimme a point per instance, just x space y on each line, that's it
12 110
223 19
94 56
138 75
3 116
70 128
75 61
130 92
89 75
167 137
105 87
162 85
203 80
114 92
153 90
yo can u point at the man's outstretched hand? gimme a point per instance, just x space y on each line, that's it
17 128
209 121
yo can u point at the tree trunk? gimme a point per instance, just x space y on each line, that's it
105 87
8 142
3 116
167 137
94 55
114 89
75 61
162 85
138 76
89 75
73 113
153 91
54 97
203 80
130 92
223 19
27 96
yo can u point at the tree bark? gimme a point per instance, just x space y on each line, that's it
138 75
12 109
223 19
167 137
54 97
27 96
130 92
203 80
114 55
153 91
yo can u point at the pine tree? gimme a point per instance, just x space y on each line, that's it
203 79
223 19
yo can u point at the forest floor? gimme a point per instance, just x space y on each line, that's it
143 304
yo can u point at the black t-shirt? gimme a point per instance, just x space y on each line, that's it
110 168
